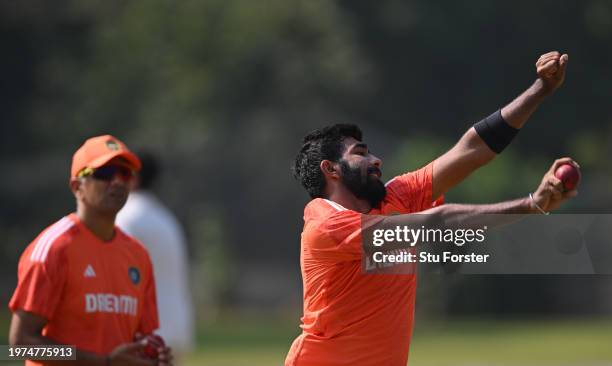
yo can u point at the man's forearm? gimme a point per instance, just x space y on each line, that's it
482 142
517 112
469 215
451 216
466 215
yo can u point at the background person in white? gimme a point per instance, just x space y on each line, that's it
147 219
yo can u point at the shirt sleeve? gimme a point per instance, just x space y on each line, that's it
40 284
339 236
414 189
149 321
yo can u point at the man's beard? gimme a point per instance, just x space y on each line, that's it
362 184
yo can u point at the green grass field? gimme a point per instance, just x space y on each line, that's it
257 341
585 342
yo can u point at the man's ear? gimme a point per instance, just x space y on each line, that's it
330 169
75 185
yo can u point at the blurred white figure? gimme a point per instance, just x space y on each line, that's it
147 219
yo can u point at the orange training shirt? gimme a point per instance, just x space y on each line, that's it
351 318
94 294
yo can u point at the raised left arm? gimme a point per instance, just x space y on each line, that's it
477 148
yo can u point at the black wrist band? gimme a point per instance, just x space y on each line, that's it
495 132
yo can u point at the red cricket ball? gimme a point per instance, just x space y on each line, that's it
569 175
154 341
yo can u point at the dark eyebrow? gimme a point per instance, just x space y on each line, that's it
360 145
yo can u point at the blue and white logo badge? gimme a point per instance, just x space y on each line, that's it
113 145
134 275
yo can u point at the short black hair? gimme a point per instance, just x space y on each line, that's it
150 169
322 144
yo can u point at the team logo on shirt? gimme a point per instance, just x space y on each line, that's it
134 274
89 271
